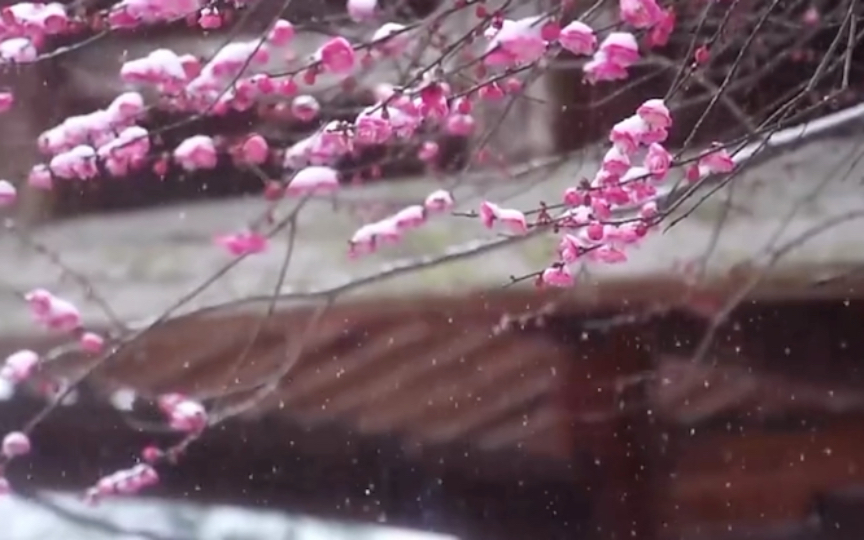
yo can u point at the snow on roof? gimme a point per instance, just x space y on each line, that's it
143 261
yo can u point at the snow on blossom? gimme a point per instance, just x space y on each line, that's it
15 444
234 57
196 152
184 414
558 275
515 42
123 482
18 366
160 67
337 55
640 13
628 134
369 237
281 33
620 48
438 201
491 213
615 162
305 108
601 68
390 39
313 179
361 10
243 243
18 50
578 38
53 312
718 161
655 113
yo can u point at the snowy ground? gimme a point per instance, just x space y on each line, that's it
146 519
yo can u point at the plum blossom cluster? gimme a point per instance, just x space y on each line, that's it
183 414
15 443
109 141
134 13
368 238
25 26
124 482
633 168
517 42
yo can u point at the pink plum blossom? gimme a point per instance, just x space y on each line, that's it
620 48
361 10
601 68
628 134
570 248
305 108
243 243
428 151
18 50
281 34
410 217
373 125
15 444
460 125
7 99
640 13
439 201
196 152
19 365
515 42
649 210
254 150
658 160
718 161
557 276
53 312
659 34
616 162
124 482
578 38
313 179
491 213
655 113
210 19
337 55
91 342
183 414
8 193
369 237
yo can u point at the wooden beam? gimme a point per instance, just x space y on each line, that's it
624 496
534 424
381 390
421 409
344 369
534 386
